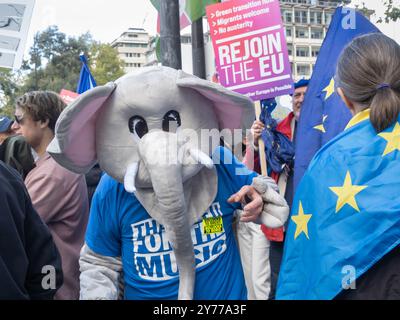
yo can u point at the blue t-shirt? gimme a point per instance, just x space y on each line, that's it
119 226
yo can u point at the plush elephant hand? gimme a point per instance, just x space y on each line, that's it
262 203
251 201
275 209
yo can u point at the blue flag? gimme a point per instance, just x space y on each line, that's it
323 114
345 214
269 105
279 149
86 80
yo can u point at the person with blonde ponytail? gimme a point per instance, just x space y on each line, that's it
344 234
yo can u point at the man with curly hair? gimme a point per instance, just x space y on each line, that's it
59 196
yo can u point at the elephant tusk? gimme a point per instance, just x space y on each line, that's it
130 176
201 157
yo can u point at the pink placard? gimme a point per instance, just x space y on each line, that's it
68 96
250 48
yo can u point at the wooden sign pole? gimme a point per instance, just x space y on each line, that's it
261 145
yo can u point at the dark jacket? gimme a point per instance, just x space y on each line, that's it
92 180
16 152
27 250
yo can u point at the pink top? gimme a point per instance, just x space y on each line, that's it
60 197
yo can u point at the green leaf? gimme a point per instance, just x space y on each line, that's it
196 9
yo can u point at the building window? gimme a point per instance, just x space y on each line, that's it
302 52
290 49
287 16
328 18
300 16
302 33
315 51
317 33
316 17
303 70
133 55
289 32
135 45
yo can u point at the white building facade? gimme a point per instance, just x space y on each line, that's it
306 24
132 46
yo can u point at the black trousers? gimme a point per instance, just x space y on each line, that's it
275 260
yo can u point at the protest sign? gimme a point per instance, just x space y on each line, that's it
250 48
68 96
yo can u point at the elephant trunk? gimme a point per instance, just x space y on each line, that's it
166 177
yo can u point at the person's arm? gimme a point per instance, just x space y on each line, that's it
100 262
100 276
275 209
258 195
44 276
256 131
262 204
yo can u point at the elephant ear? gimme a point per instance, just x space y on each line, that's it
233 110
74 144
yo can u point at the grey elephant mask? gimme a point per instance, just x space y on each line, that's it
136 129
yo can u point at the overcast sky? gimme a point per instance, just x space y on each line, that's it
107 19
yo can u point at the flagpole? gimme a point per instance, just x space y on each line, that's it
261 145
170 34
198 55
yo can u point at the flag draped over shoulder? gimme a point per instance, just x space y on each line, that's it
323 114
346 212
190 10
86 80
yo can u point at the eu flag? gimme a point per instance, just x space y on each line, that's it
345 214
86 80
323 114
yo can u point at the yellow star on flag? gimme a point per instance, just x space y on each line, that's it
330 89
393 139
321 126
347 193
301 222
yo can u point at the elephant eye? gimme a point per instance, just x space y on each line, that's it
172 121
138 126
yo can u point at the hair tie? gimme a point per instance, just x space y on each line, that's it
383 86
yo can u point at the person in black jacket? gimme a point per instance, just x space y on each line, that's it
92 180
30 264
14 150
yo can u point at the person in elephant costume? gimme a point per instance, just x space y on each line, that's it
162 214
